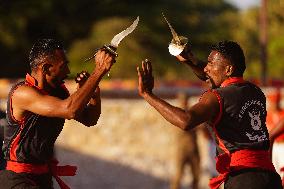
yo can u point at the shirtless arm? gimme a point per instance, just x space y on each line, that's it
187 57
91 113
205 110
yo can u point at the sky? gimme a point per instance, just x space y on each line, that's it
244 4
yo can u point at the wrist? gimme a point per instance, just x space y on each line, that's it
147 94
99 73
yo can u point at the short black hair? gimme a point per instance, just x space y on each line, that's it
233 52
41 49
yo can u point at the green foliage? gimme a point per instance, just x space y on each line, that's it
86 25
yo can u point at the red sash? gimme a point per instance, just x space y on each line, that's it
56 171
242 159
282 169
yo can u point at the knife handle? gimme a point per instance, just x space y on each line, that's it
111 49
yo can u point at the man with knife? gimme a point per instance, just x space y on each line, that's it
36 111
234 110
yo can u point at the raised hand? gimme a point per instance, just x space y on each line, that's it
186 56
145 78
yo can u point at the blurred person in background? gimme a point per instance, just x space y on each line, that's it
187 152
275 125
36 111
234 108
2 125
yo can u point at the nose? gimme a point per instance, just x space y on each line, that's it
205 69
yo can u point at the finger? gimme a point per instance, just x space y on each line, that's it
143 67
138 72
86 74
98 89
149 67
140 75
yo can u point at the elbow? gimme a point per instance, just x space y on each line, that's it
71 110
185 126
71 114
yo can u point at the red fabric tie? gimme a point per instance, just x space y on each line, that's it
56 171
282 170
242 159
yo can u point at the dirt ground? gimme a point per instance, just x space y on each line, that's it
132 146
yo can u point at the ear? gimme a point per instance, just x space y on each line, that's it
229 70
46 68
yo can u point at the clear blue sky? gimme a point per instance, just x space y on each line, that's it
244 4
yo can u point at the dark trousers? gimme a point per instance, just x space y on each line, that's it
253 179
10 179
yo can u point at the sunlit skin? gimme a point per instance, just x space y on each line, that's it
221 70
217 71
83 105
185 119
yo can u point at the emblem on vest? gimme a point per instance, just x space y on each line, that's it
255 122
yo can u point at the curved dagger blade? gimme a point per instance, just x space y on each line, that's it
117 38
175 35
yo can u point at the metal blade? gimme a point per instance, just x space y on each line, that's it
117 38
175 36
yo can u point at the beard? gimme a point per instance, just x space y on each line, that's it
211 83
58 81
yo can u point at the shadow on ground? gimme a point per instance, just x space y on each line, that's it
95 173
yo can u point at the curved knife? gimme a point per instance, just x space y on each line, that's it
117 39
178 42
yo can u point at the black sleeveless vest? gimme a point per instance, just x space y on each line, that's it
242 118
32 139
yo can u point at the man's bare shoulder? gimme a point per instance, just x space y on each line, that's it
25 92
210 97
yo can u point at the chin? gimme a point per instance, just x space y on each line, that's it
58 83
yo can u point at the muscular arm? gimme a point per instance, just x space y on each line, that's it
26 98
187 57
205 110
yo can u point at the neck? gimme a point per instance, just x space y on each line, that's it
231 80
41 80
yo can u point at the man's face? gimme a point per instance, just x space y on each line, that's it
59 69
216 69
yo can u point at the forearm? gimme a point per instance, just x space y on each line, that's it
194 63
198 68
174 115
78 100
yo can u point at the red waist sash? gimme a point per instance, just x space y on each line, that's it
55 170
282 170
242 159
